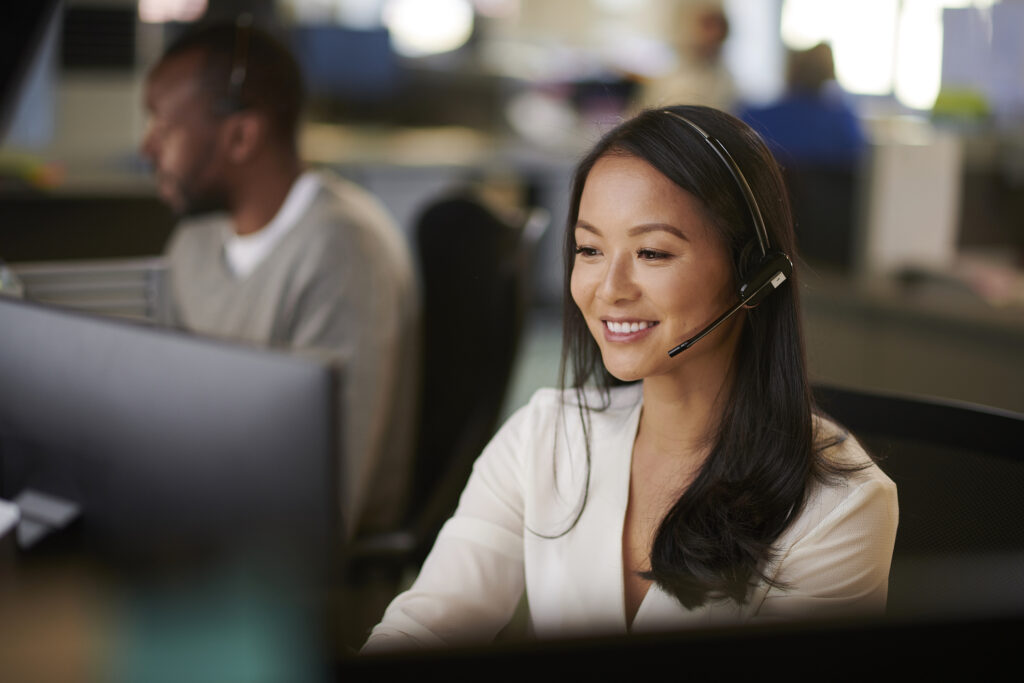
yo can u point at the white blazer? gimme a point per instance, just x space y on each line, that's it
525 490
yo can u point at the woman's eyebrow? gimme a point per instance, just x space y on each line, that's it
653 227
638 230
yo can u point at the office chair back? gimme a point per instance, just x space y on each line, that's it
959 472
826 201
475 267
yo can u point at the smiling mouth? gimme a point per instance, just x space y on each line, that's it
628 326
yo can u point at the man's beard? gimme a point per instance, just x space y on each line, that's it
191 195
212 200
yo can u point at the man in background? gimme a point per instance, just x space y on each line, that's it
700 75
815 133
271 253
813 122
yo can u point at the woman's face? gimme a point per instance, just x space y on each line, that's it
650 270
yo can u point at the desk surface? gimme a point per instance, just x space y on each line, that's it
933 338
944 300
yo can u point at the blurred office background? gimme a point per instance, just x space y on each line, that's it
912 253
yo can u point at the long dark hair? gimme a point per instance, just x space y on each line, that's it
717 538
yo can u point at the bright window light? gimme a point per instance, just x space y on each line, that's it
918 75
160 11
861 32
880 46
919 56
805 23
425 27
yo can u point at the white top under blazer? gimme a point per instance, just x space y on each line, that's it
527 483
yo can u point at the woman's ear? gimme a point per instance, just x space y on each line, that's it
247 133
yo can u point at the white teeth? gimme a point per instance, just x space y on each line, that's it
624 327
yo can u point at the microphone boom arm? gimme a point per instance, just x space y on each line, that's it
773 282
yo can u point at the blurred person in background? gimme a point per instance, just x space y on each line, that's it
700 75
812 122
815 134
273 253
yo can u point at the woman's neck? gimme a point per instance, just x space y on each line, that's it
672 442
681 413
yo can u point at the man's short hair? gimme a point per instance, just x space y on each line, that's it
245 67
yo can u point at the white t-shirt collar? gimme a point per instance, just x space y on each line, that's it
244 253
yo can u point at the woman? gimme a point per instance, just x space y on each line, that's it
663 491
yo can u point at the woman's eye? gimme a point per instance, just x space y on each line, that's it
650 254
586 251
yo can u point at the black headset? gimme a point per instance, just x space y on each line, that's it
232 101
772 269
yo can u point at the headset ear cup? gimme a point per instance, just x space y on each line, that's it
748 263
769 274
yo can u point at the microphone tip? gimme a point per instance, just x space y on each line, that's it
679 349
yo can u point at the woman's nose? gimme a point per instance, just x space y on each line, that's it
618 283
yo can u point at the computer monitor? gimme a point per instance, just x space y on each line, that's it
165 441
23 33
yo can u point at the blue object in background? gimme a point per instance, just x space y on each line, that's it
810 128
346 63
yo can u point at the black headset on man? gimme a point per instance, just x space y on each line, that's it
232 101
772 269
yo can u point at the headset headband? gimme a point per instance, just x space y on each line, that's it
734 170
239 61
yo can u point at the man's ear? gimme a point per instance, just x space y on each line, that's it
247 132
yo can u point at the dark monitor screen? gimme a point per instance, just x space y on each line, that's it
164 439
22 31
346 63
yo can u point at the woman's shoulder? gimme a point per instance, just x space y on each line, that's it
847 465
838 446
850 489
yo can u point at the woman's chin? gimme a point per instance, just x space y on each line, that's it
624 374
